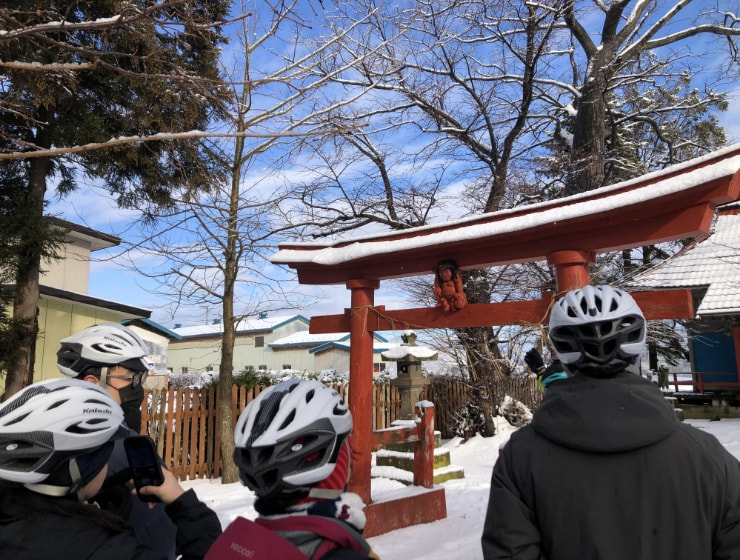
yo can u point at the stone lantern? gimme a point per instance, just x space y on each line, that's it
409 380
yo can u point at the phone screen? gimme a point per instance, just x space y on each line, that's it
143 460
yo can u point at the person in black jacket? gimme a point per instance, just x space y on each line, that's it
56 438
115 358
292 449
605 470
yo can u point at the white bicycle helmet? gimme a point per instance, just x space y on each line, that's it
105 345
48 424
289 437
597 330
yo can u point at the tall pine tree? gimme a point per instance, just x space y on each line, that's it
77 73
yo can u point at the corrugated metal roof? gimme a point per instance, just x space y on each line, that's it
713 263
245 325
303 338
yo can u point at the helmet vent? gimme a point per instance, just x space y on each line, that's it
309 395
19 419
288 420
593 311
267 411
96 401
56 404
78 429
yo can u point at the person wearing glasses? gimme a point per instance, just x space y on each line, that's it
114 357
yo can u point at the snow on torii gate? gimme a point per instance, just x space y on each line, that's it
675 203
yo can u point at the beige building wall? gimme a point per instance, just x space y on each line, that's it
72 271
298 358
333 358
60 317
194 355
200 354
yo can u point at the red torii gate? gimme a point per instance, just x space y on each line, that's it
568 233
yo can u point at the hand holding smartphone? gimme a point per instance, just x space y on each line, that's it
146 468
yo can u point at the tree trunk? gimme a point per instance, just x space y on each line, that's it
230 471
481 351
26 295
587 159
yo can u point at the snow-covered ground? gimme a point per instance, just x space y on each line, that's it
456 537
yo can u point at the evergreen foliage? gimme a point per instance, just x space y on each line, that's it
77 73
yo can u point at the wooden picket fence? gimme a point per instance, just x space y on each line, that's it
184 422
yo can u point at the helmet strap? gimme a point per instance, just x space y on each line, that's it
59 491
104 376
325 493
77 485
48 489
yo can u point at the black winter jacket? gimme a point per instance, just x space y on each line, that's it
154 529
35 535
605 471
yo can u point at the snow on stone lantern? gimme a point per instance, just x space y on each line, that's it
409 379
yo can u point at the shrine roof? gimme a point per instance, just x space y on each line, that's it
675 203
712 264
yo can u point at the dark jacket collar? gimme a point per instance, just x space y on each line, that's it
604 415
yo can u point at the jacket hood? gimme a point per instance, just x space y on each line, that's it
604 415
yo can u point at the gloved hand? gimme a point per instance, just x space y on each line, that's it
533 359
545 375
551 373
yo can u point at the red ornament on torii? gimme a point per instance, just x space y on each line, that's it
568 233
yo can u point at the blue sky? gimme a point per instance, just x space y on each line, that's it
112 280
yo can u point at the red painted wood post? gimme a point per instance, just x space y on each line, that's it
424 447
361 384
571 268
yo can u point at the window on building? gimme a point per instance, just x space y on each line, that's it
287 366
259 341
263 367
209 368
379 367
184 369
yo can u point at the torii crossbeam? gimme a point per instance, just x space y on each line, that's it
568 233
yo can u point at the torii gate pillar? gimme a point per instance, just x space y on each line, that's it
571 269
361 383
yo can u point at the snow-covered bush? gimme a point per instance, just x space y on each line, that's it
515 412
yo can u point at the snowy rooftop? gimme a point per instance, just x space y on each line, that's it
304 338
512 235
250 324
379 345
713 263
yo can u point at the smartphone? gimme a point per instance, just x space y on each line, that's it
146 467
